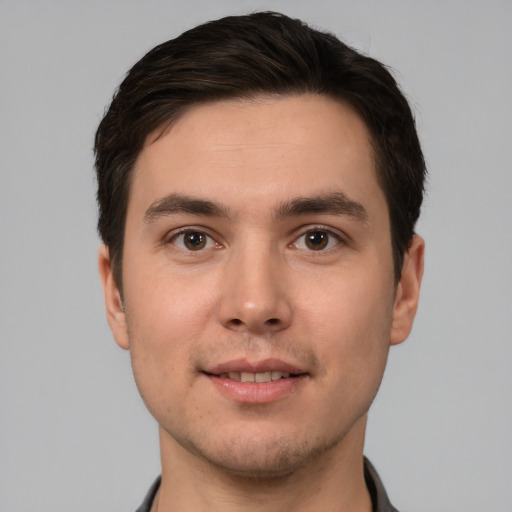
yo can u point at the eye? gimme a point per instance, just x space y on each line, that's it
317 240
193 241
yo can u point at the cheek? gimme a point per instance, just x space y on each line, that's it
354 328
166 319
160 345
162 304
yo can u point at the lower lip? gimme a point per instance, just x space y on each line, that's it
256 393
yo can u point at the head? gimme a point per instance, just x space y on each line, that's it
243 57
259 182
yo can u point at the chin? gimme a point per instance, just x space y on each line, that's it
263 459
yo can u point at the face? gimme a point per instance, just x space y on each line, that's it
259 300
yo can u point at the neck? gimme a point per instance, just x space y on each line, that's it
332 481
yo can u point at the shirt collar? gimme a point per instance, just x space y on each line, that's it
376 489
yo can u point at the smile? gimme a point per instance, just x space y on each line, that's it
260 382
259 377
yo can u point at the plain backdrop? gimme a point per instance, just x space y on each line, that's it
74 434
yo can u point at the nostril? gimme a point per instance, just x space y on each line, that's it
256 321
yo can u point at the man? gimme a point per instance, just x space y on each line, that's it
258 184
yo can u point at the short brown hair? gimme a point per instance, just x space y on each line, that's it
242 57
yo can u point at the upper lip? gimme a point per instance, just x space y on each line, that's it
244 365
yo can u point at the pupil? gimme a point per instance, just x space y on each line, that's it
316 240
195 241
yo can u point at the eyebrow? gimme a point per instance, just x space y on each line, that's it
334 203
175 204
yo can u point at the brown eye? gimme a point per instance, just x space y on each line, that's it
194 241
316 240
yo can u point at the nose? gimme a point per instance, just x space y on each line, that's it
255 297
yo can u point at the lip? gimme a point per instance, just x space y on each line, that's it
244 365
253 392
256 393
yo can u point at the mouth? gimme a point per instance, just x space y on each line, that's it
243 370
259 377
256 382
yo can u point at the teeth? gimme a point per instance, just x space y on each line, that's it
255 377
247 377
263 377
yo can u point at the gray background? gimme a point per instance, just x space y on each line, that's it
74 434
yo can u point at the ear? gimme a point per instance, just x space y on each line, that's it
116 316
408 291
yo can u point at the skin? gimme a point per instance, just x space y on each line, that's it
256 290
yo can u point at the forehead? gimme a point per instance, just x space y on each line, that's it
264 148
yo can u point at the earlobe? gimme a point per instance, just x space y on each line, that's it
407 292
116 316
